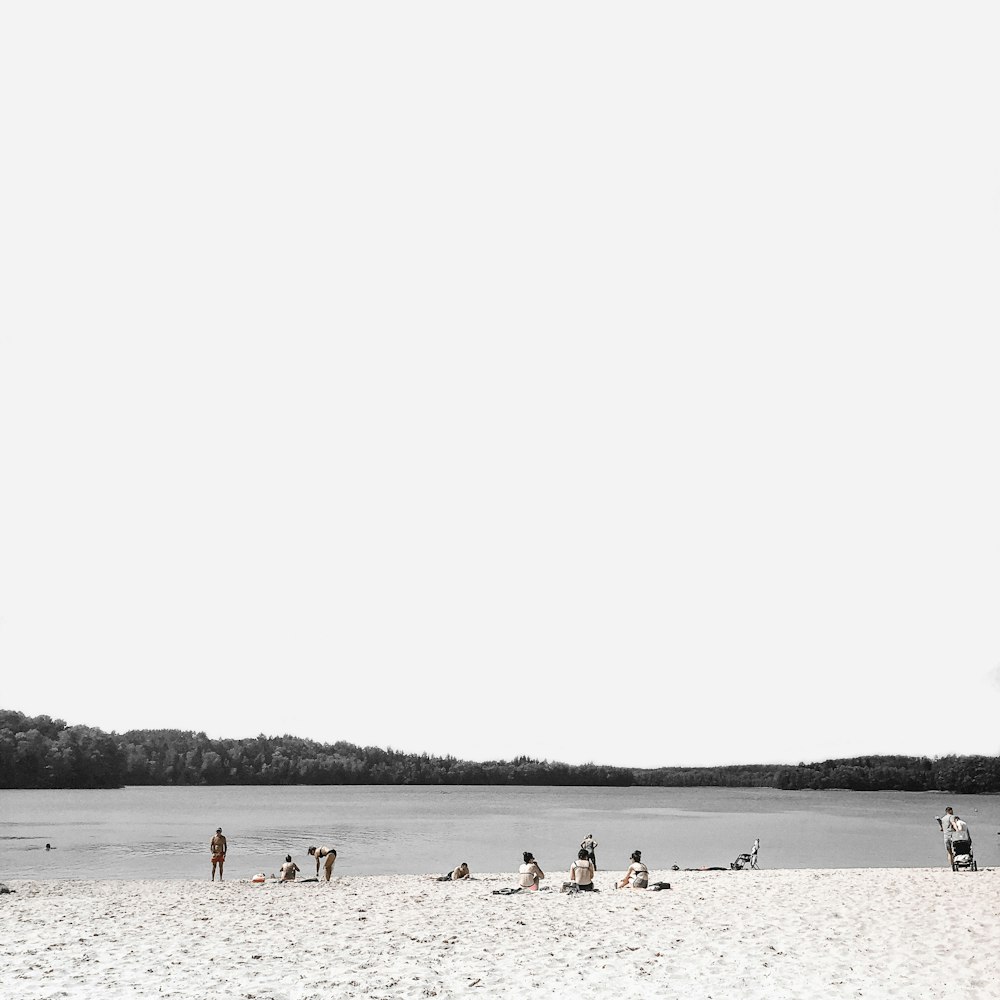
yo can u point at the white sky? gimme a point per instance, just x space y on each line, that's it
611 382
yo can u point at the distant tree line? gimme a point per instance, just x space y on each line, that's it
42 752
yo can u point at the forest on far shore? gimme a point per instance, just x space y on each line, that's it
41 752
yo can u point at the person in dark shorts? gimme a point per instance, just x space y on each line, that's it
581 872
324 852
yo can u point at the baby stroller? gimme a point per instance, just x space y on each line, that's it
747 860
962 856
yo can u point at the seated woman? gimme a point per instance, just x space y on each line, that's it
637 876
530 873
581 872
288 869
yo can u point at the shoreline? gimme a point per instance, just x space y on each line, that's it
813 933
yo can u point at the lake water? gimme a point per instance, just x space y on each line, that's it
164 832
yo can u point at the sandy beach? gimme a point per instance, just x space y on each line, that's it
751 934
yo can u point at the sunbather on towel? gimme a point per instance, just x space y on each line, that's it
462 871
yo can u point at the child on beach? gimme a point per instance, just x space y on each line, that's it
963 835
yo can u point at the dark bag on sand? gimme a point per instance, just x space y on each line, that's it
657 886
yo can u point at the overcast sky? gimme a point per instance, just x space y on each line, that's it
611 382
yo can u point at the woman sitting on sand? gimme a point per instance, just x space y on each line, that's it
637 876
582 871
530 873
288 869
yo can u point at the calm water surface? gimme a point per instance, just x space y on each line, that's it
164 832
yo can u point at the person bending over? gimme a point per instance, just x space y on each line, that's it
327 853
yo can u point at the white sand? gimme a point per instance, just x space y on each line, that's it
910 933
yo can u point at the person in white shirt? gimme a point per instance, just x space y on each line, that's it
288 869
961 835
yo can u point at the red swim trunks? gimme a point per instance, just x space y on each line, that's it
218 858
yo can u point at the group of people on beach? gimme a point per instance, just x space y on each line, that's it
325 857
530 874
583 870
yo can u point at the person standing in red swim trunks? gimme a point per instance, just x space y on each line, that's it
218 847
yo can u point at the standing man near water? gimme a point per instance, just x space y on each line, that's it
218 847
588 845
324 852
946 823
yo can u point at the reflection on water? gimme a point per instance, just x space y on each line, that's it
164 832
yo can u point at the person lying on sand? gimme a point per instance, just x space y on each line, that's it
462 871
